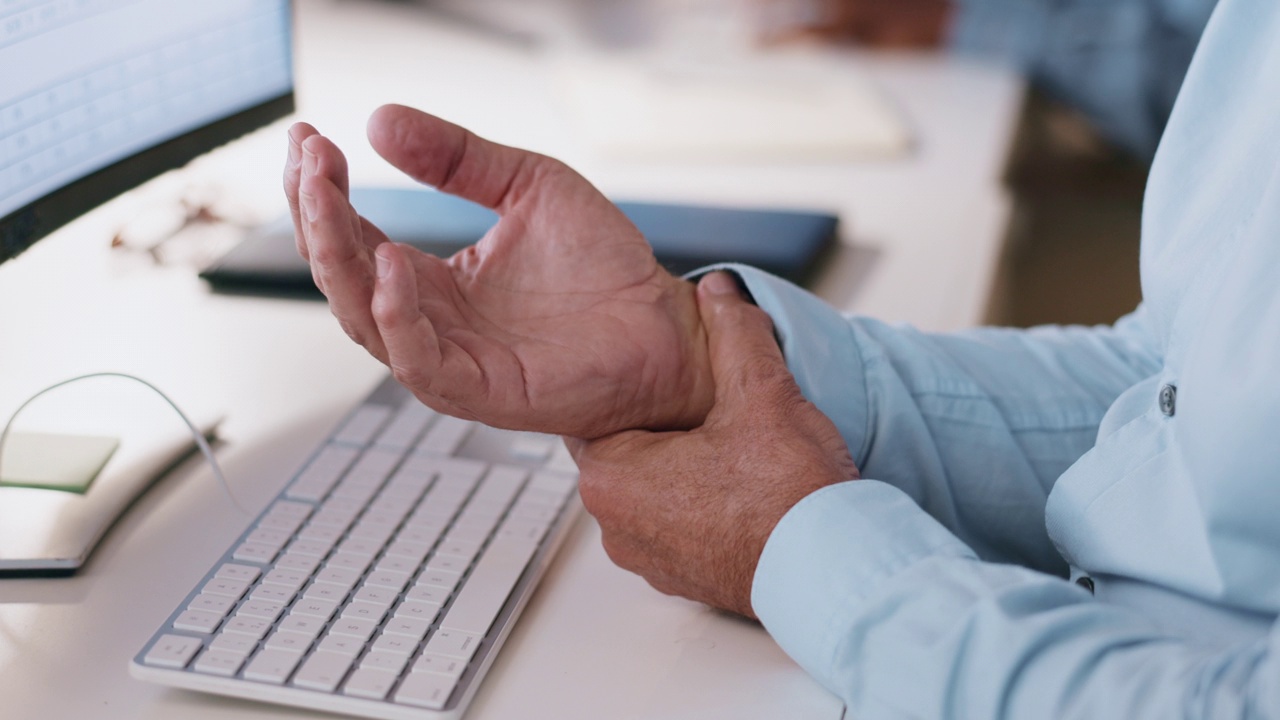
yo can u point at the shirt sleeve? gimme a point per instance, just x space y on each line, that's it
1120 62
899 618
974 427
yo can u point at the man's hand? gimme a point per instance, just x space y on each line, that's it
559 320
691 511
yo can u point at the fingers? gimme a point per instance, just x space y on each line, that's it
413 348
451 158
293 177
745 357
341 262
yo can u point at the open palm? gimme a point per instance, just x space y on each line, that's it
558 320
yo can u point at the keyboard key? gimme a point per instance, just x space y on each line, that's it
342 577
245 573
272 593
531 446
368 682
360 628
323 671
317 607
233 589
216 604
264 609
272 666
255 553
219 662
440 665
424 689
349 645
311 548
254 627
399 644
454 644
380 596
390 579
290 641
349 561
280 523
409 627
412 551
321 533
560 484
198 621
305 564
367 611
415 610
405 426
488 587
236 643
445 436
428 594
456 564
363 424
392 662
173 651
283 577
271 538
308 625
325 591
396 564
320 475
440 578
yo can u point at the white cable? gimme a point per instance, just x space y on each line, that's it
201 442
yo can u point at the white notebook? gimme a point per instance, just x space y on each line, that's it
783 106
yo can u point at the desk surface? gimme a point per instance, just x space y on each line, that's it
922 238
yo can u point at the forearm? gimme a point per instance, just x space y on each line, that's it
895 615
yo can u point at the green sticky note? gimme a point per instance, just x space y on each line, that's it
53 461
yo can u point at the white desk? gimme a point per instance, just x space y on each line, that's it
595 641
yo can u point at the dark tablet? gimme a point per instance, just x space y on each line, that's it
786 243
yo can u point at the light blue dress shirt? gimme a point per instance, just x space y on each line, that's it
1120 62
1003 465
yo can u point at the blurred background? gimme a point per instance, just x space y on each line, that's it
1102 78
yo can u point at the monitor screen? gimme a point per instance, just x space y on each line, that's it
98 96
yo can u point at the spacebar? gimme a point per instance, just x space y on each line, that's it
489 586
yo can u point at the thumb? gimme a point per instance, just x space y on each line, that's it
452 159
745 357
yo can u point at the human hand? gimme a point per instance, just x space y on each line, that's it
691 511
874 23
558 320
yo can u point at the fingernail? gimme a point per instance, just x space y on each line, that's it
719 283
295 151
383 265
308 162
308 205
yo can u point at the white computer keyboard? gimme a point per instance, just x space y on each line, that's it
385 576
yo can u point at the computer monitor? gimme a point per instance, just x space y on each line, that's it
99 96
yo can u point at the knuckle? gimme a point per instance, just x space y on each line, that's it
408 375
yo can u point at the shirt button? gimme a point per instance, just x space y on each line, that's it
1168 400
1085 582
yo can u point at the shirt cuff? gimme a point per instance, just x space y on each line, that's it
829 553
820 348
